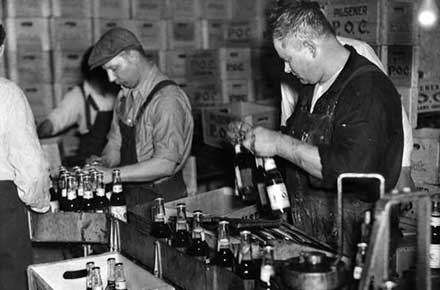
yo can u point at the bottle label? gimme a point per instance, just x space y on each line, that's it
71 195
64 192
357 273
434 256
238 177
80 192
100 192
54 206
119 212
267 271
435 221
120 285
88 194
278 197
117 188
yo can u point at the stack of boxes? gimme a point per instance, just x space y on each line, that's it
214 49
28 51
71 36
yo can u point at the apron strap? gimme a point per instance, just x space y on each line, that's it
89 103
160 85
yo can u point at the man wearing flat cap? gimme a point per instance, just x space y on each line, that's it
152 128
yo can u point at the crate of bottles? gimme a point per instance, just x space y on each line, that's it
68 227
49 276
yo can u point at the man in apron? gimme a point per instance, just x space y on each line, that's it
151 133
24 181
88 105
348 119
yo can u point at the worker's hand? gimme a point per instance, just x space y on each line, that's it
41 210
262 141
45 129
107 173
237 131
94 159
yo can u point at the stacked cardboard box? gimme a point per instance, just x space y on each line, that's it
28 51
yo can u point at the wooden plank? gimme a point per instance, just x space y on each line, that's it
68 227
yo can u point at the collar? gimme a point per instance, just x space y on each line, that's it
150 77
354 61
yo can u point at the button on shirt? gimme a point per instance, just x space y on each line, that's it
164 130
71 109
21 156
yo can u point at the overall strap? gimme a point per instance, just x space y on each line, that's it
86 107
360 70
160 85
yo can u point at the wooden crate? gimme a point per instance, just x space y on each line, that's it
49 276
68 227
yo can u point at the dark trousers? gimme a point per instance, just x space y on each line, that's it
15 245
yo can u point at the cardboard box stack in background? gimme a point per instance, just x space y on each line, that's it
27 51
390 27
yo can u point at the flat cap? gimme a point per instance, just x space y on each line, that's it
111 44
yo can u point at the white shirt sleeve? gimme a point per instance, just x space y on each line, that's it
24 153
408 141
70 111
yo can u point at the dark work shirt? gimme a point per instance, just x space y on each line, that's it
367 133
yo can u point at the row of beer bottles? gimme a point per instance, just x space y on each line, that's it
195 244
115 276
258 180
81 196
192 243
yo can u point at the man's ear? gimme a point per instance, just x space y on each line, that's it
310 46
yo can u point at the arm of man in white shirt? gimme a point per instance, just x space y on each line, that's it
31 171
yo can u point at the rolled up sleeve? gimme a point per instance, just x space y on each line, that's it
171 123
31 170
112 150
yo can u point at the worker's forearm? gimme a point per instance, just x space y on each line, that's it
304 155
148 170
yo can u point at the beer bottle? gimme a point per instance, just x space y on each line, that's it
246 265
96 279
181 239
434 248
276 191
366 227
261 185
72 201
120 281
244 165
199 247
54 200
101 201
62 189
267 271
88 199
110 274
80 186
224 256
118 206
359 264
159 228
89 267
